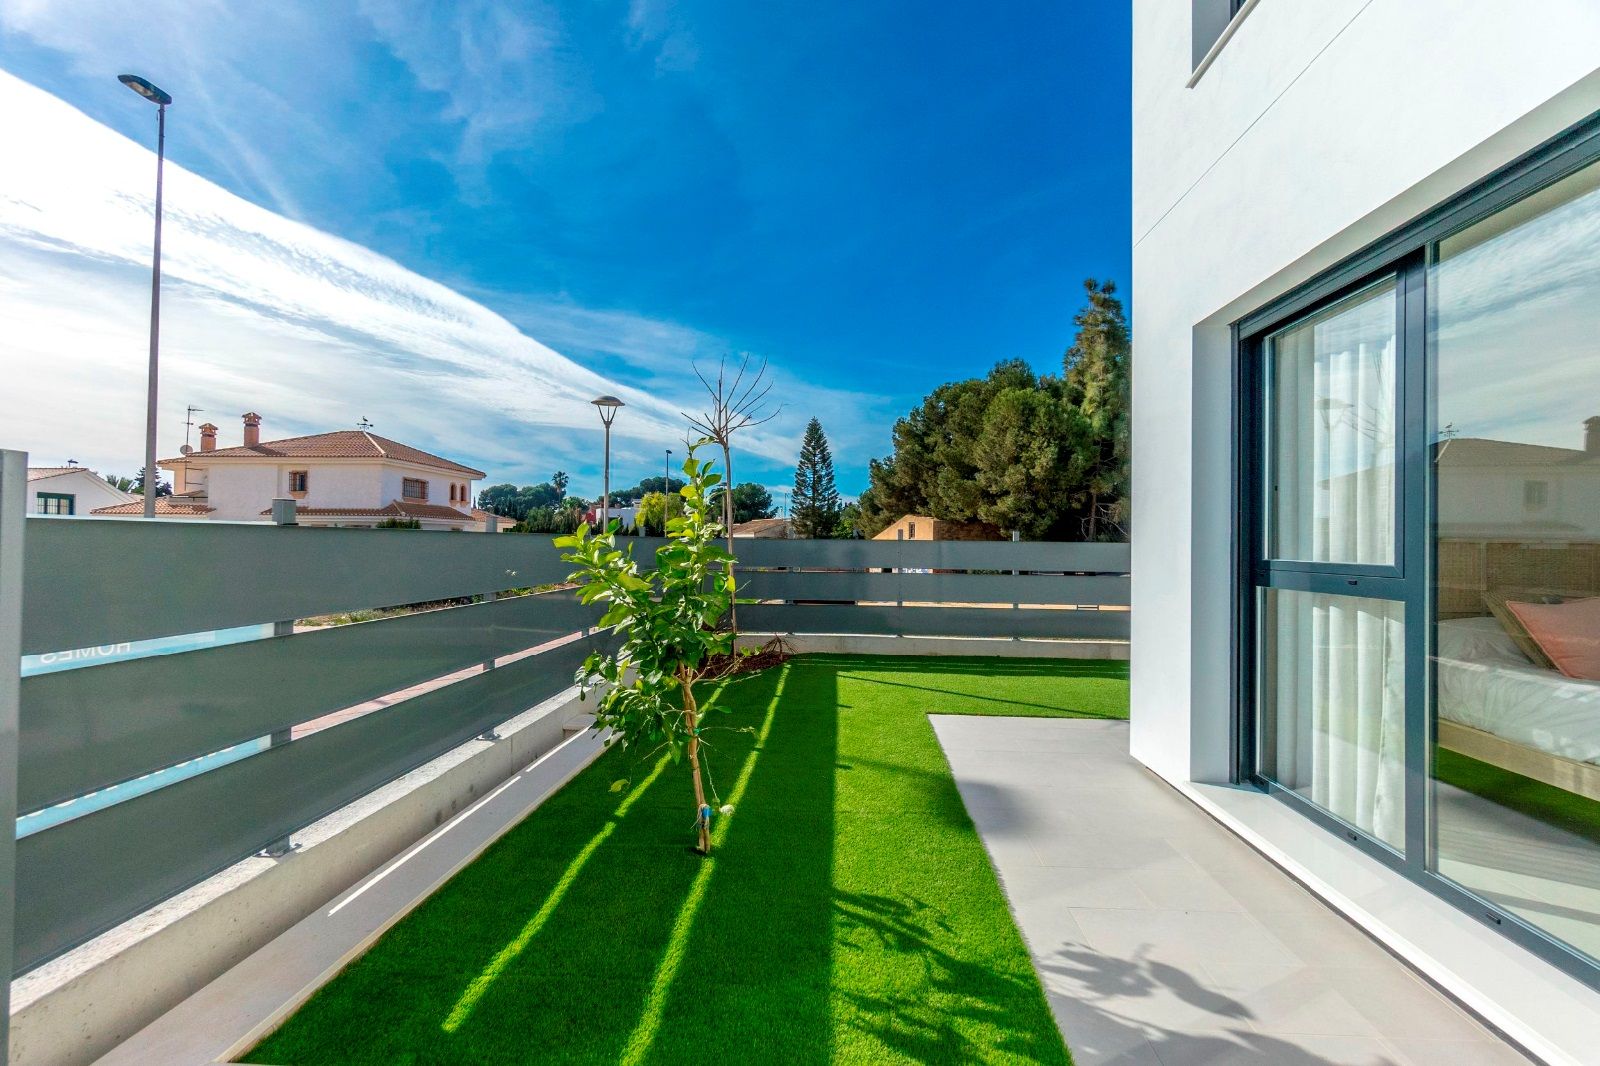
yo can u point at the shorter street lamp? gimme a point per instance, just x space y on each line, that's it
607 406
666 493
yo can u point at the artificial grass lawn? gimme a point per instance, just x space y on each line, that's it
848 912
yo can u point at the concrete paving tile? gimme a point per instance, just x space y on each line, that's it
1457 1053
1066 887
1082 848
1178 884
1162 938
1403 1007
1326 939
1181 938
1261 1049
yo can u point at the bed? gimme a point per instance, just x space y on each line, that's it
1498 707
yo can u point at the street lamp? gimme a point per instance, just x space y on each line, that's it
607 406
666 493
151 476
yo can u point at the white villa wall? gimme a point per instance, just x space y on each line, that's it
239 492
1318 128
438 484
1289 153
89 488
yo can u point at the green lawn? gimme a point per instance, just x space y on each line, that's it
847 914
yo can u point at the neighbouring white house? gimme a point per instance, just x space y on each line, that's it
71 490
349 477
1366 550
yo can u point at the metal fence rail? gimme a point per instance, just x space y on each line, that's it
935 588
110 728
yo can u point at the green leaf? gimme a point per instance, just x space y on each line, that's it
619 784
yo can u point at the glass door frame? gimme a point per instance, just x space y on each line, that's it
1402 253
1404 582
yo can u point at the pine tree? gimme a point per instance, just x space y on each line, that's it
815 508
1097 377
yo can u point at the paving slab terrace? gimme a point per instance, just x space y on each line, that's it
1164 940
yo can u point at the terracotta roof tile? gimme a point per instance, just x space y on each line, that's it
165 507
340 444
37 472
394 509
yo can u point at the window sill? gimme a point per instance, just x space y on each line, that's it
1220 43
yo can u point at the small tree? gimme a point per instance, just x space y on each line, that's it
652 516
815 509
667 621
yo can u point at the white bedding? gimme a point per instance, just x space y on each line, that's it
1484 681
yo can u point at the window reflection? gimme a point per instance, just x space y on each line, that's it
1516 335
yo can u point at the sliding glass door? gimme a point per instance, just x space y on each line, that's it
1419 554
1515 335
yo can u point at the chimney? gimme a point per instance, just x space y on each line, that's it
252 429
1591 437
208 437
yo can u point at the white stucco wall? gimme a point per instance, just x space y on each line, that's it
240 490
87 488
438 484
1319 127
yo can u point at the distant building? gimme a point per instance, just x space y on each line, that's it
765 529
922 527
348 477
71 490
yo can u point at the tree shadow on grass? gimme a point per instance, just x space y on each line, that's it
962 1010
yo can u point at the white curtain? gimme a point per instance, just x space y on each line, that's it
1335 681
1333 440
1335 664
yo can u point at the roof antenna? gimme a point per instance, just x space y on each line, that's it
188 423
364 424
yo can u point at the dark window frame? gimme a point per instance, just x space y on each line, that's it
1404 251
299 480
421 492
69 498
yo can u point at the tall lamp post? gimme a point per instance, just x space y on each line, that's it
161 100
607 406
666 493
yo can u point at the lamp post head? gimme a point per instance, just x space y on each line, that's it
145 89
607 406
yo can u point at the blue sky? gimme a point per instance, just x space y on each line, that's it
876 197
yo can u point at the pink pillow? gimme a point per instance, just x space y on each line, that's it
1569 633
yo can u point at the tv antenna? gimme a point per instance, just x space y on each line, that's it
188 424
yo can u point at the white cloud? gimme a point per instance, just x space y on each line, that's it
262 312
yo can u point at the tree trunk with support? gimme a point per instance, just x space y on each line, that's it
691 713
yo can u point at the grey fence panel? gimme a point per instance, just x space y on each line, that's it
86 728
936 554
933 621
13 497
84 876
96 582
1095 589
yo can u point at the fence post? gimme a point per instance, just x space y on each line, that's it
13 506
283 514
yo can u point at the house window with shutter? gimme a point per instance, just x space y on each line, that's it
297 481
413 488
